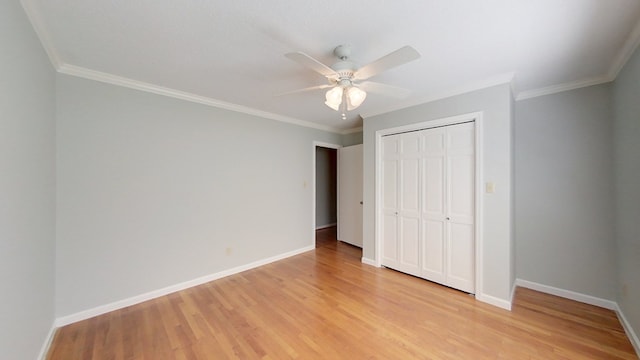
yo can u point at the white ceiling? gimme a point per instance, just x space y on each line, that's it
231 53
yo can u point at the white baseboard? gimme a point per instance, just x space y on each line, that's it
568 294
326 226
47 343
86 314
492 300
513 291
629 330
368 261
587 299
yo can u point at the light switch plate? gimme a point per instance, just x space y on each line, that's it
490 187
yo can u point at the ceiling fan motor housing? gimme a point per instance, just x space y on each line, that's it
345 68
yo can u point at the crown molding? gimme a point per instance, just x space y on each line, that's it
506 78
619 61
33 14
41 31
182 95
562 87
351 131
629 47
35 18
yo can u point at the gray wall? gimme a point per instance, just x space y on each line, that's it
27 187
326 186
626 109
496 103
564 191
152 191
512 245
352 139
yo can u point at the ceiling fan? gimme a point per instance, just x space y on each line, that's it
344 77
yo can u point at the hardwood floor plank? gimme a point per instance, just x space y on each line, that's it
326 304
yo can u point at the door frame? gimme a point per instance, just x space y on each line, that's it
476 117
313 184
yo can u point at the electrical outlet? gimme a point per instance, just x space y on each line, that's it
228 251
625 290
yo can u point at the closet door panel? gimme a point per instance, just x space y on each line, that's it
390 208
390 201
461 182
433 205
434 189
410 245
461 172
391 246
460 248
390 183
433 251
409 194
410 187
461 255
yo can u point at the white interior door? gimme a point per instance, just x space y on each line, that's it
429 204
350 194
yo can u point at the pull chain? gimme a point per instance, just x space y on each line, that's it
343 105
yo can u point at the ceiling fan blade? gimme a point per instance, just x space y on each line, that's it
384 89
313 64
391 60
305 89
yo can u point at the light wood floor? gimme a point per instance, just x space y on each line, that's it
325 304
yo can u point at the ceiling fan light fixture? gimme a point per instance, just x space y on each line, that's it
344 76
334 98
355 97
